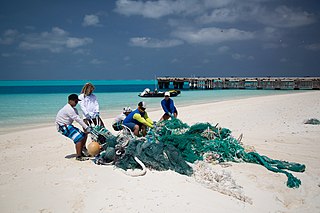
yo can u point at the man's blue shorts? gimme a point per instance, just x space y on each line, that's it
72 132
130 125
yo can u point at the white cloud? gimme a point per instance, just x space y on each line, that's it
77 42
212 35
91 20
238 56
154 43
175 60
219 11
160 8
55 41
223 49
150 9
271 33
9 37
96 61
255 11
56 31
219 15
250 57
10 32
285 17
313 47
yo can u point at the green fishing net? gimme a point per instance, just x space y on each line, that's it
172 143
103 136
312 121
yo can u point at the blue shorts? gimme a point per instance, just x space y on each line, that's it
72 132
131 125
175 111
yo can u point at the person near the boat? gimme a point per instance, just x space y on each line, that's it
117 122
168 107
89 105
64 120
138 120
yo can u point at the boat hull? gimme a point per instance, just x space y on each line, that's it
173 93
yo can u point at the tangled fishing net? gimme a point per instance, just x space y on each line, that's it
218 180
312 121
174 145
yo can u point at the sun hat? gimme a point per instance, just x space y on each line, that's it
167 94
127 109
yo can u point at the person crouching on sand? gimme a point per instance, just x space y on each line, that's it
138 120
64 120
117 122
168 107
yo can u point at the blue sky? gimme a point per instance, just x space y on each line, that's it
126 39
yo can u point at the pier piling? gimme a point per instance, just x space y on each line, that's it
276 83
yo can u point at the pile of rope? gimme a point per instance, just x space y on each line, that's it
218 180
172 143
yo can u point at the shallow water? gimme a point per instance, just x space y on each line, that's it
33 103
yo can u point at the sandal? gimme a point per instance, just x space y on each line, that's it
80 158
85 153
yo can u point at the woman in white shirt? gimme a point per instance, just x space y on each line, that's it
89 105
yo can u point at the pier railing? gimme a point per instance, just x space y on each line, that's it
239 83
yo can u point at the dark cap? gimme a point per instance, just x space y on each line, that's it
142 104
73 97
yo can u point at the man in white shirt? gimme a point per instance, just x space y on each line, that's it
117 122
64 120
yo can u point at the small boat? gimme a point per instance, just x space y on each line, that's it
151 94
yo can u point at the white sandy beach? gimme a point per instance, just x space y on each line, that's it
39 174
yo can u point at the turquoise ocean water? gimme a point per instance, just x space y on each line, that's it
35 103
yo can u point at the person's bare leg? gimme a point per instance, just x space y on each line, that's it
136 130
143 130
80 145
164 117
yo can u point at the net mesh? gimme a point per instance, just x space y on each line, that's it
172 143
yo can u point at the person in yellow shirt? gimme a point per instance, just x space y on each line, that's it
138 120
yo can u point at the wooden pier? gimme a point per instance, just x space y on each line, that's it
277 83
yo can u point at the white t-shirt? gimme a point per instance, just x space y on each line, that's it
89 105
67 115
119 118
